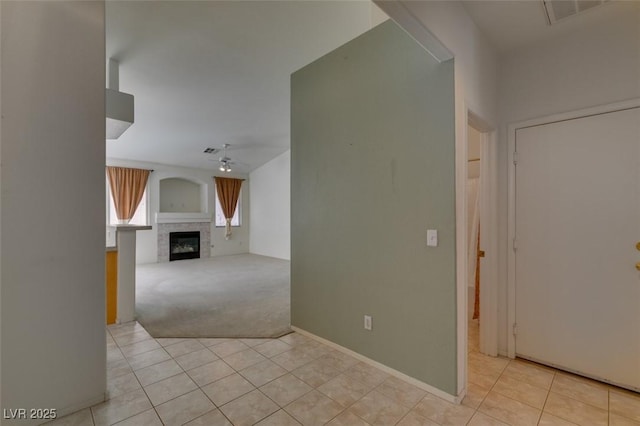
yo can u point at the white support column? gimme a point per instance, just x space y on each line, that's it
126 240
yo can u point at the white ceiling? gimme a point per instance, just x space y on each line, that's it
512 24
206 73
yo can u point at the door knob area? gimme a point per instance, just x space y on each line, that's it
638 266
638 246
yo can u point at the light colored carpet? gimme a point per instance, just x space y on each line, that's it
242 295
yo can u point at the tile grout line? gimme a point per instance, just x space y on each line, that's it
502 372
238 372
546 398
414 405
608 406
312 388
477 410
347 408
517 400
291 372
142 387
190 378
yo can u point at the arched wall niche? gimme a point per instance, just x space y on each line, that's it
182 195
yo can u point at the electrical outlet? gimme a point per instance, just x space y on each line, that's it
367 322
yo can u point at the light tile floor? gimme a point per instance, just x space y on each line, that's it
295 380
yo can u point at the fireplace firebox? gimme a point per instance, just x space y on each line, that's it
184 245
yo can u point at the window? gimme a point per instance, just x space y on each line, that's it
220 219
140 217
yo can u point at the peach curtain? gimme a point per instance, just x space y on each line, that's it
127 187
228 190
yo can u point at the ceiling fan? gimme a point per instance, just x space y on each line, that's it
225 161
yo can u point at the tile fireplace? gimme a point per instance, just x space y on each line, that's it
164 238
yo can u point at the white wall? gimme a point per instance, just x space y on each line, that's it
594 67
271 208
475 57
579 70
53 254
147 241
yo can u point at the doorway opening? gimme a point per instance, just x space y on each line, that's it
477 232
481 236
474 253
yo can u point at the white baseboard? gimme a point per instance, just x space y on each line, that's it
424 386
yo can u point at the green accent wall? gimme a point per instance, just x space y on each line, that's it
372 168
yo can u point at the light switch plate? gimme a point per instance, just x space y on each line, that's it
367 322
432 238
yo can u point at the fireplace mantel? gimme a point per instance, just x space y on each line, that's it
182 217
121 228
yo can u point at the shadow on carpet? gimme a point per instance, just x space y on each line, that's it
242 295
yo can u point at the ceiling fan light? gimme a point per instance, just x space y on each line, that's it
222 169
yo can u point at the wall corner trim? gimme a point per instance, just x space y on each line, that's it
424 386
413 26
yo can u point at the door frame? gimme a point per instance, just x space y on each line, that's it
511 233
488 192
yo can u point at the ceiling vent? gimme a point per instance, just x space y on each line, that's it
119 106
557 10
211 150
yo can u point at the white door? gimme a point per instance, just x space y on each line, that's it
577 224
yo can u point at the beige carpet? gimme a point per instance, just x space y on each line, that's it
228 296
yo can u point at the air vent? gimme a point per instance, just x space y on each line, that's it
557 10
211 150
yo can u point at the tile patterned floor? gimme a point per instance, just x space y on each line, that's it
295 380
